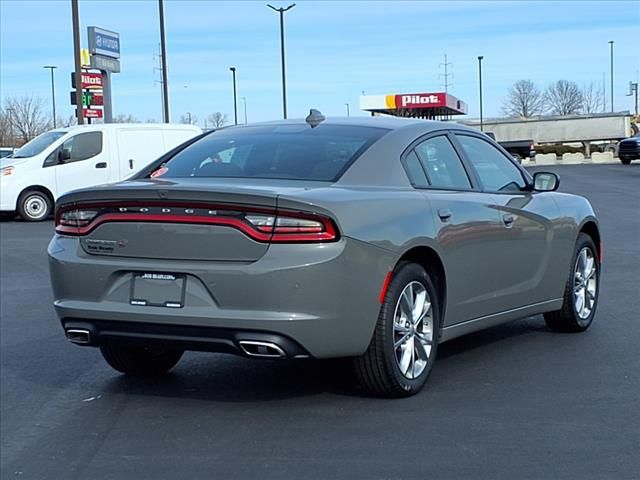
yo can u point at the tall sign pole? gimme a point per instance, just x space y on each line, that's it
163 55
480 58
75 16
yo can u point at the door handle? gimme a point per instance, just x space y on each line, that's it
444 214
508 219
101 165
131 164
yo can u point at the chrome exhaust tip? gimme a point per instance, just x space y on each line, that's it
79 336
261 349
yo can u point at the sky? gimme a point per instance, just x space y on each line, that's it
335 51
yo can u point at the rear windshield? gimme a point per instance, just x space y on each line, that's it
296 152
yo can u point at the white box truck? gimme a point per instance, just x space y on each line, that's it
66 159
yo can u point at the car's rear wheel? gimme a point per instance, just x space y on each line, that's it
581 291
34 206
405 341
140 361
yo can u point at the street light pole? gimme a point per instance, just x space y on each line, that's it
480 58
163 56
347 105
244 101
611 42
53 92
281 11
235 96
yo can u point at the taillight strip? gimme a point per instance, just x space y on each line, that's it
273 234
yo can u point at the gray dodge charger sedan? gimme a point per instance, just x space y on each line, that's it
371 238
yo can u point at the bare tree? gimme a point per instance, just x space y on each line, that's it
592 96
217 119
6 136
26 118
563 98
124 118
66 121
523 100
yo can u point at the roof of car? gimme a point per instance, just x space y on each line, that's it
109 126
387 122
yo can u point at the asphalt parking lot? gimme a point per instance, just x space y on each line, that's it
512 402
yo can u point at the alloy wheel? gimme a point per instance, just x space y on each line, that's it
413 330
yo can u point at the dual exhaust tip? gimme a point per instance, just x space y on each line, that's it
252 348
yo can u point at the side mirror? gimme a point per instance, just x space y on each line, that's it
545 182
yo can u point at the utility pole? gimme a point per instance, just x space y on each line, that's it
75 18
446 74
53 92
235 96
604 93
611 42
281 11
163 55
480 58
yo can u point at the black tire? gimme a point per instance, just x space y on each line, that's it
567 319
625 161
378 369
34 206
140 361
516 156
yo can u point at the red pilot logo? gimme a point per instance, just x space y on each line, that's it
410 100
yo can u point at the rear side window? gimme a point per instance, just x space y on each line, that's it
442 164
83 146
296 152
415 171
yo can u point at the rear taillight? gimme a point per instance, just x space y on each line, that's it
260 224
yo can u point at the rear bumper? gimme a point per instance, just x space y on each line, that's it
319 300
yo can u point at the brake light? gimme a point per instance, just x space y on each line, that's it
262 225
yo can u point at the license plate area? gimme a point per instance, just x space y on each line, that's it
158 290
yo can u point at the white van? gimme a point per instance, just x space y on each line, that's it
66 159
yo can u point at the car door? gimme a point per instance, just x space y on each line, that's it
524 249
81 161
467 225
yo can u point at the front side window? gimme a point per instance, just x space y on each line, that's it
296 152
82 146
442 164
496 172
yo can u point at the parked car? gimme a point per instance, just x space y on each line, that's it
65 159
373 238
6 151
629 149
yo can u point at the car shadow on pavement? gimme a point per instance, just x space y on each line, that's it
225 378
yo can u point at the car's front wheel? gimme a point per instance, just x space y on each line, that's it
140 361
581 291
405 341
34 206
